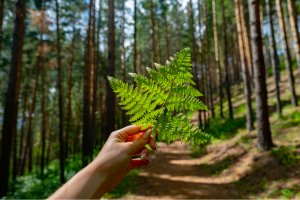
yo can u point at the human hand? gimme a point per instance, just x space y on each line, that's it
115 159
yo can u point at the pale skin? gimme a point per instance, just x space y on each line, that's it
110 166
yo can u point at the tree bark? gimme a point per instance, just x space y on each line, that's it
261 93
95 80
246 43
288 59
123 58
274 57
217 57
166 30
11 106
69 94
294 27
228 93
194 52
202 81
110 98
44 119
245 72
208 63
1 22
135 38
98 71
60 97
22 131
153 34
88 98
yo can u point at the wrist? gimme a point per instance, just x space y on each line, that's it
101 175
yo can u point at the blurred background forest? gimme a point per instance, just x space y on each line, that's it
57 108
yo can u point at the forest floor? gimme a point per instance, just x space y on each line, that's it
232 166
231 169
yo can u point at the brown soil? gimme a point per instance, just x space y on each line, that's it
232 169
227 170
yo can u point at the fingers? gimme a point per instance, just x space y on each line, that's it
152 143
143 161
136 136
139 143
132 130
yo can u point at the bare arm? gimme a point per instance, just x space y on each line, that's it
111 165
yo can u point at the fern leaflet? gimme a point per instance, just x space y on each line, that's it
161 99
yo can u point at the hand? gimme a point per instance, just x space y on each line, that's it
115 158
110 166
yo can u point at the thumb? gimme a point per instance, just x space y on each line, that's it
140 142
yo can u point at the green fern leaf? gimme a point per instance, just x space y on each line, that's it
153 100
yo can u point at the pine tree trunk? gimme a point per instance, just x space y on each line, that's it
246 42
288 59
261 93
208 63
99 71
157 34
166 34
135 38
294 27
11 106
1 22
69 94
153 34
88 119
274 57
94 81
15 158
228 93
29 141
123 58
203 88
217 57
44 120
194 53
110 98
22 131
245 72
60 97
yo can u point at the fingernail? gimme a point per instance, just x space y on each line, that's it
143 156
147 134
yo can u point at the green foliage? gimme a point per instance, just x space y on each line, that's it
198 150
286 155
287 193
161 100
226 128
31 186
219 167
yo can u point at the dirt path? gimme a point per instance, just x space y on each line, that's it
174 174
228 170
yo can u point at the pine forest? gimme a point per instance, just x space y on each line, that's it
216 81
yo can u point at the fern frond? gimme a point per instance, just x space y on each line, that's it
154 99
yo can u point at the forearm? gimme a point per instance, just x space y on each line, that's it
88 183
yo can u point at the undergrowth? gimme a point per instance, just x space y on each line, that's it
31 186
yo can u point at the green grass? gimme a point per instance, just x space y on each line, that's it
197 150
31 186
226 128
219 167
286 155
